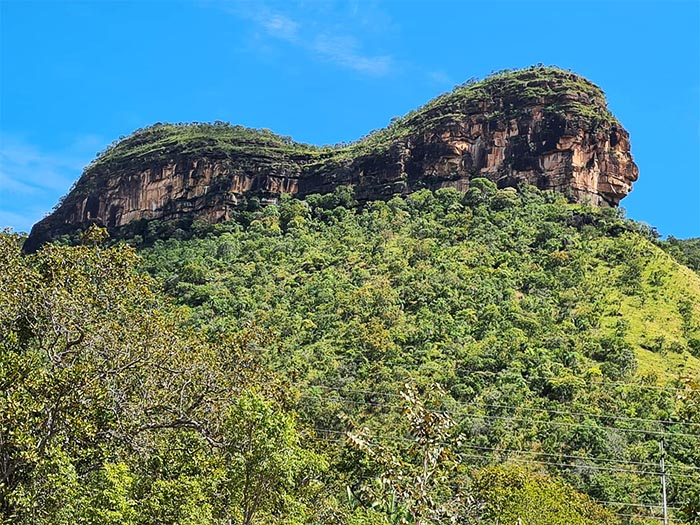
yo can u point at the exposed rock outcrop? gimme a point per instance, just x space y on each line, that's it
544 126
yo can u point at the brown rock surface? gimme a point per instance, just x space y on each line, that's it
543 126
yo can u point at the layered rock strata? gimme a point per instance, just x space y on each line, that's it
543 126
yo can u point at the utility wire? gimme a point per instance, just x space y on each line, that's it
601 502
587 458
534 452
533 409
649 387
519 419
531 452
579 425
667 387
657 518
640 505
376 439
636 505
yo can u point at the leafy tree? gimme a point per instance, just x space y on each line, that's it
263 461
94 367
514 495
415 482
80 334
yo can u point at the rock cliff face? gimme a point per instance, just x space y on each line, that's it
543 126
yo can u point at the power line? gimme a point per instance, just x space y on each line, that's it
657 518
590 414
649 387
519 460
534 452
587 458
667 387
377 438
600 502
514 418
573 465
578 425
529 409
640 505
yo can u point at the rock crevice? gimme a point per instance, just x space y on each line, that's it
543 126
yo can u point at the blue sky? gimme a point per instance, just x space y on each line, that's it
74 76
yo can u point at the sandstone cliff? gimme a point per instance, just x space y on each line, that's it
544 126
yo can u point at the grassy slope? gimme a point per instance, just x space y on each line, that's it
656 327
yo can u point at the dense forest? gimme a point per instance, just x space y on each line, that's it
498 356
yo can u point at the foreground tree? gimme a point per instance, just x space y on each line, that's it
515 495
263 463
418 481
77 324
95 370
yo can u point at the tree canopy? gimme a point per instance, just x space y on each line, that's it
444 357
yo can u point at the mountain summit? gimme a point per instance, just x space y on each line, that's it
545 126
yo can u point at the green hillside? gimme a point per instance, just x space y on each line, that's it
597 274
490 357
661 309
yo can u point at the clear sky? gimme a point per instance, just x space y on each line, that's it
74 76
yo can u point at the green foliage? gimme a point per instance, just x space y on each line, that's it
690 399
107 499
524 307
112 411
219 138
685 251
77 337
263 461
514 495
212 379
417 482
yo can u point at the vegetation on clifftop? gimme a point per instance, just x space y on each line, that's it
500 96
219 139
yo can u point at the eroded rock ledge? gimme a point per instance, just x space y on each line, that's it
544 126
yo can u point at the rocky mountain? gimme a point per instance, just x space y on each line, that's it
545 126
